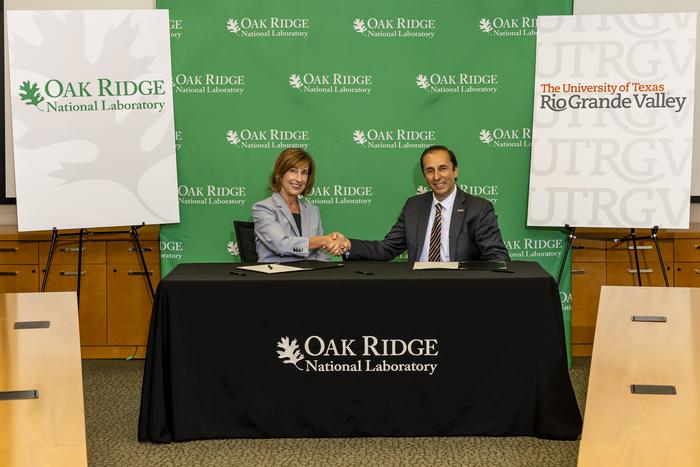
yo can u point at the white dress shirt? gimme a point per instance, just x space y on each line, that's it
446 215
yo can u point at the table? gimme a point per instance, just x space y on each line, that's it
625 429
386 352
49 430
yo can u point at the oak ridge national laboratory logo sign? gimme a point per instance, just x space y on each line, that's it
506 138
267 138
531 248
331 83
271 26
399 27
337 194
400 138
209 83
232 249
368 354
212 195
489 192
96 95
178 140
522 26
176 27
461 83
171 250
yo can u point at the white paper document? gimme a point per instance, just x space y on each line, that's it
420 265
272 268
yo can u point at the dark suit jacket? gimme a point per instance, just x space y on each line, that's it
474 232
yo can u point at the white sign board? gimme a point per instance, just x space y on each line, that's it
92 118
613 121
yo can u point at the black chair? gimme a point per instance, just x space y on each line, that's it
245 236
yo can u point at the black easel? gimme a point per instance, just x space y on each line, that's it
569 240
632 236
133 232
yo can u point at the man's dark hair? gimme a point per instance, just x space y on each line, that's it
439 147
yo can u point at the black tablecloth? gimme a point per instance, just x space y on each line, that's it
495 363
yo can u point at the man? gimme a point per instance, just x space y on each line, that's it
446 224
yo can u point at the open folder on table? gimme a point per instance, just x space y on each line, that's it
474 265
292 266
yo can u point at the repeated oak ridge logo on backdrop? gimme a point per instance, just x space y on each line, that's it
209 83
397 138
212 195
489 192
337 194
365 354
176 28
268 138
506 138
522 26
460 83
171 250
232 248
397 27
331 83
270 26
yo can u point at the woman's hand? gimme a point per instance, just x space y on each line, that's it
337 244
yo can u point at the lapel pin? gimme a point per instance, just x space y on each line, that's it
460 210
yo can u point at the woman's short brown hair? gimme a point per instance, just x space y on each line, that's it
290 158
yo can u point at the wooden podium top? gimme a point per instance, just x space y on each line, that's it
625 429
49 430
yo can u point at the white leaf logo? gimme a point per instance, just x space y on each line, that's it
359 25
421 189
232 248
232 137
295 81
485 25
290 352
232 26
422 82
485 136
359 137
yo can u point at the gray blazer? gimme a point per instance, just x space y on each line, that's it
474 232
277 238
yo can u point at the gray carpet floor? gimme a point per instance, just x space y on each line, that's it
112 396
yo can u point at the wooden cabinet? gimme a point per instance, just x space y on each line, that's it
687 274
92 306
587 276
622 266
687 262
115 302
604 261
128 298
586 281
18 266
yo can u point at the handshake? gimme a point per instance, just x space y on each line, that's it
336 244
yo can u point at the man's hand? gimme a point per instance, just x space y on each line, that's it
336 244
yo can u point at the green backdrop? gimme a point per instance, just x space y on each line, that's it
365 86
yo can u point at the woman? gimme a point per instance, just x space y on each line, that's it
288 228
